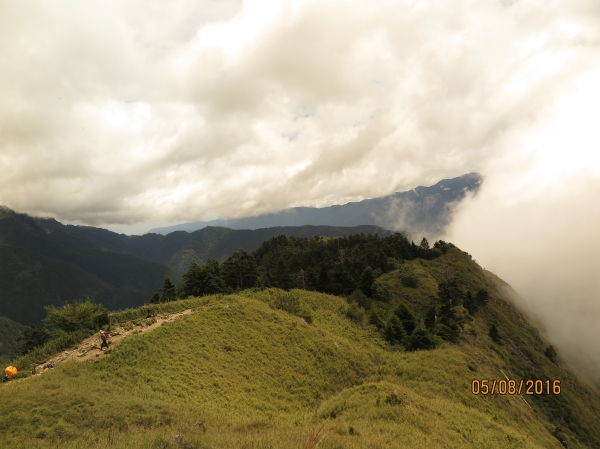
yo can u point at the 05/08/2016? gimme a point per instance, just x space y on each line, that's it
511 386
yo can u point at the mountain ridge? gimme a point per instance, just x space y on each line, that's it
426 210
44 262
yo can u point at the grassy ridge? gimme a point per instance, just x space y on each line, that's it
259 377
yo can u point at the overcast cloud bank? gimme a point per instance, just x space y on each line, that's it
116 113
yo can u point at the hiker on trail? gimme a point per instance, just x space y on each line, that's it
104 337
50 364
33 367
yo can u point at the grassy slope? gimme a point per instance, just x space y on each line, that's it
261 378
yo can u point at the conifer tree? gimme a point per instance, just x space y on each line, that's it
422 339
263 280
482 297
376 320
550 352
239 270
168 290
409 323
367 278
430 317
494 334
191 281
284 278
394 331
211 278
470 303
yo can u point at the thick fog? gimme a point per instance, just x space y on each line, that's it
536 221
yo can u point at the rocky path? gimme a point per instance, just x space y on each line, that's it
89 349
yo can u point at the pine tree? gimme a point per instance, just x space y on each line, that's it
409 323
263 280
168 290
323 282
284 278
394 331
470 303
211 278
550 352
365 284
494 334
430 317
422 339
482 297
376 320
239 270
191 281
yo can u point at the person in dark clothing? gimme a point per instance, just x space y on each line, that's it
104 338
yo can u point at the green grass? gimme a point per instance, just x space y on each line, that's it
259 377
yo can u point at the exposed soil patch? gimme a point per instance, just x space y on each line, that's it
89 349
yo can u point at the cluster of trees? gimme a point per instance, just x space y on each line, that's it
341 266
337 266
443 320
82 318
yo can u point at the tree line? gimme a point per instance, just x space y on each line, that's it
337 266
345 266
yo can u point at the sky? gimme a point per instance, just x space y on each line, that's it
135 114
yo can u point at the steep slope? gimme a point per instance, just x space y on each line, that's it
426 210
240 372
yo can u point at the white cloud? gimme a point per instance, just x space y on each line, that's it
130 112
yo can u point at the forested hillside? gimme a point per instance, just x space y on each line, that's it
178 249
43 262
38 269
338 265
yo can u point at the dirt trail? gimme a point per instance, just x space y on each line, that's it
89 349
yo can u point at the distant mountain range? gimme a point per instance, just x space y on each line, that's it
178 249
43 262
424 210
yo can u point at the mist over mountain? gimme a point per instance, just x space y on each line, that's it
425 210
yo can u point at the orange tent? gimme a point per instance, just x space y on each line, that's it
10 371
